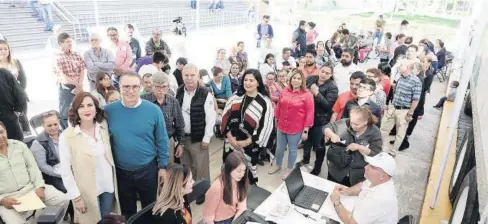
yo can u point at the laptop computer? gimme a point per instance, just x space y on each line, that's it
304 196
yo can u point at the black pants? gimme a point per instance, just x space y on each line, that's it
11 122
346 181
315 140
143 182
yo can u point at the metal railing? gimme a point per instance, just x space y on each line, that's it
162 19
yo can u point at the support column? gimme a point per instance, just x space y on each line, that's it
197 15
95 10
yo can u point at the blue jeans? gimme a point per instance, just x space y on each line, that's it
282 141
379 35
441 102
34 5
227 221
105 202
47 15
65 99
193 4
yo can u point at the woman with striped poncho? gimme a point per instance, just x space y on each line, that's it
247 120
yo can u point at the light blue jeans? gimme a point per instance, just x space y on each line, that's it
281 142
105 201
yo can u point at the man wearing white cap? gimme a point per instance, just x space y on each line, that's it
377 201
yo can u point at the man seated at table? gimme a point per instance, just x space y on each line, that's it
20 175
377 201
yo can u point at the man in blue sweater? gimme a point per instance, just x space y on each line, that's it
139 144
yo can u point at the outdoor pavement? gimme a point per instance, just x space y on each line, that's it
413 163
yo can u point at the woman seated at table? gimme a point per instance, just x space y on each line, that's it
171 206
220 86
351 139
227 197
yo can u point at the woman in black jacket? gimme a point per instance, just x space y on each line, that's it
351 139
171 205
325 92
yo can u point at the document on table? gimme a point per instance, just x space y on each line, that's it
29 202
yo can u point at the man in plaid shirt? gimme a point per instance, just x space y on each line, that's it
69 68
400 111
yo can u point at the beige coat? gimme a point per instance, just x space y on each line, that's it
84 172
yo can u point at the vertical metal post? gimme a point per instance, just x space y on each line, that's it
95 10
197 16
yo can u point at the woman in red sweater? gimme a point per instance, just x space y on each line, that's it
294 114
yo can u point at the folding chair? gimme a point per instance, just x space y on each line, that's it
36 121
199 189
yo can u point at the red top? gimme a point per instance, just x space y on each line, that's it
340 103
308 72
294 111
386 85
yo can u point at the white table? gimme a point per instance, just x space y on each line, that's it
279 201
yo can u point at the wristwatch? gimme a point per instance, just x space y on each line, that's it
337 203
305 131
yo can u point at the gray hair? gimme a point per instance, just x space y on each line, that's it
191 66
160 78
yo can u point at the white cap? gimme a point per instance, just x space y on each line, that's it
384 161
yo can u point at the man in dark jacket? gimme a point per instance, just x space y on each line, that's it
300 36
264 30
180 63
13 100
325 94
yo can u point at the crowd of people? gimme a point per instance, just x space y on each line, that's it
143 132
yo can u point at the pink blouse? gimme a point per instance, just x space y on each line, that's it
215 208
311 36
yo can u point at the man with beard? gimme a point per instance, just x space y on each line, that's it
310 68
343 98
299 35
344 70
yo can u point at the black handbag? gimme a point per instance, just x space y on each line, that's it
338 155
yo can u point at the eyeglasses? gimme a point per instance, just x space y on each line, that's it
161 87
365 88
129 87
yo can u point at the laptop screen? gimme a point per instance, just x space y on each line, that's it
294 183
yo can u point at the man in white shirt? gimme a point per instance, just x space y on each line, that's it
343 70
197 105
159 61
377 200
285 56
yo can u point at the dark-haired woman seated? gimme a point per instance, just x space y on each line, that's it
226 198
171 206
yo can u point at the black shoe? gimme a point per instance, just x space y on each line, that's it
405 145
392 142
200 201
302 163
260 162
315 172
393 132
